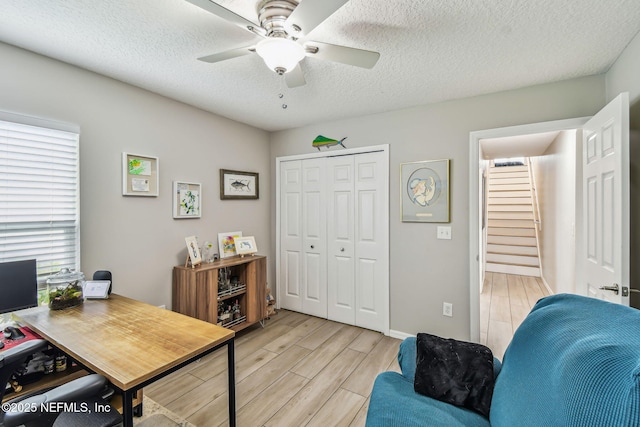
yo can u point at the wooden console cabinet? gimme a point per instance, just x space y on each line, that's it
198 292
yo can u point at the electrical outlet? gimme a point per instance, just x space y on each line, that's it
447 309
444 233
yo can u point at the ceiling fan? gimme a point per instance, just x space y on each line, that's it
284 24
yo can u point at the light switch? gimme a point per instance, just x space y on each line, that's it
444 232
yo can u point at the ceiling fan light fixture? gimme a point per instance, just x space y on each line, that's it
281 55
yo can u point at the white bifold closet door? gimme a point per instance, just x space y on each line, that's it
334 238
303 239
290 262
357 248
314 238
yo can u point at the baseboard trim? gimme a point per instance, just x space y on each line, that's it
546 285
399 335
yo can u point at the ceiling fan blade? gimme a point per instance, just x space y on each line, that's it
295 77
224 13
228 54
310 13
345 55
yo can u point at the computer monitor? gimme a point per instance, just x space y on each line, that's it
18 285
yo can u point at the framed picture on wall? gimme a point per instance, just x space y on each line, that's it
187 199
139 175
424 191
238 185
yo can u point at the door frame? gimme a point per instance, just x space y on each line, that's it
384 148
475 230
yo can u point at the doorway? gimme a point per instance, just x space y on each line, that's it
528 234
476 221
602 204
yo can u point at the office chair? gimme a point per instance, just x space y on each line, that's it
30 411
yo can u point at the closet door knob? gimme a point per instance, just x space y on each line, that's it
311 246
341 249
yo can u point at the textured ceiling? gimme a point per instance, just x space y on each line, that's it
431 51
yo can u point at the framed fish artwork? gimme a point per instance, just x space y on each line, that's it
238 185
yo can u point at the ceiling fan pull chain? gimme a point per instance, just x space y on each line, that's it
283 88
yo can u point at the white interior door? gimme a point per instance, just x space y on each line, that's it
290 290
371 241
340 246
605 192
314 241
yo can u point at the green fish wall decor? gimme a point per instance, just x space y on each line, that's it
323 141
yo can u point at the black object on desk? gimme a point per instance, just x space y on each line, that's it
103 275
13 333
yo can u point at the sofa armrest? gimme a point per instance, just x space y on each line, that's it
497 367
394 403
407 359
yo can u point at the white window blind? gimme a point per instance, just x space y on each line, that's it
39 196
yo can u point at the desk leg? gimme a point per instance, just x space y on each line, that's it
232 382
127 408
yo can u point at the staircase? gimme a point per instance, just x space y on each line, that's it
511 236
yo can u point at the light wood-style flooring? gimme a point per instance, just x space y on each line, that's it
298 370
505 301
301 370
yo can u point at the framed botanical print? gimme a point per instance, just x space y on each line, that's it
187 199
139 175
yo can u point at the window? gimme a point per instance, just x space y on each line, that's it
39 193
511 161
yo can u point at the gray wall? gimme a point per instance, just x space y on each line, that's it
634 241
555 173
624 76
425 272
136 237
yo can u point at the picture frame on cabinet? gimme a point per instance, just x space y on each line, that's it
193 250
424 191
239 185
140 175
226 243
245 245
187 200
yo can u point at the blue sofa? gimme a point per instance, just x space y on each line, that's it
574 361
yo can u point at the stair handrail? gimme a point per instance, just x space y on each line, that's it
537 220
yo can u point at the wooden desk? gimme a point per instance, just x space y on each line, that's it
131 343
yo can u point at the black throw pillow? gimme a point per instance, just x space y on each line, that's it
456 372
